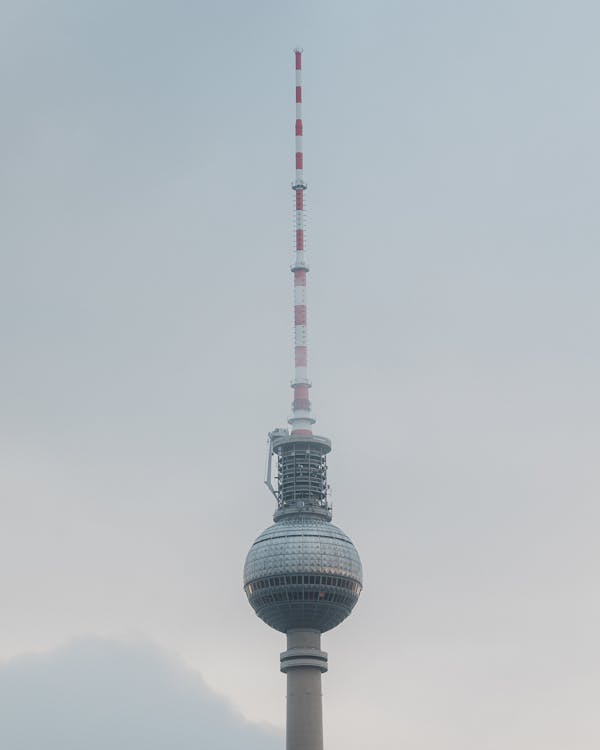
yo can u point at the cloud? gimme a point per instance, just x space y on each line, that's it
96 694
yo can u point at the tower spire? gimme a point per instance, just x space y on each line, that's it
301 420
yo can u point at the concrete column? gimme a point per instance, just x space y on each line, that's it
304 662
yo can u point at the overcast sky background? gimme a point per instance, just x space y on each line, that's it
454 170
98 694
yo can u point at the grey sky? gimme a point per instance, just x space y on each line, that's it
453 167
99 694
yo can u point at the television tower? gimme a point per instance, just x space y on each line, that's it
302 575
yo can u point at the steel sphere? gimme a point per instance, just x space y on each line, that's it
303 572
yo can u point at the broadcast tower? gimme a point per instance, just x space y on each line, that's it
302 575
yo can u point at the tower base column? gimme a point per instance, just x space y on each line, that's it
303 663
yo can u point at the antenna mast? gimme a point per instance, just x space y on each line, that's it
299 456
301 420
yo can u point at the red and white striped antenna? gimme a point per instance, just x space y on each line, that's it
301 420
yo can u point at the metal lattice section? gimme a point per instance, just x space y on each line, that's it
302 475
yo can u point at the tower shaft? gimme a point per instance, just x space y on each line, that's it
301 420
303 663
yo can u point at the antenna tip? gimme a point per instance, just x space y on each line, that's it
298 50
